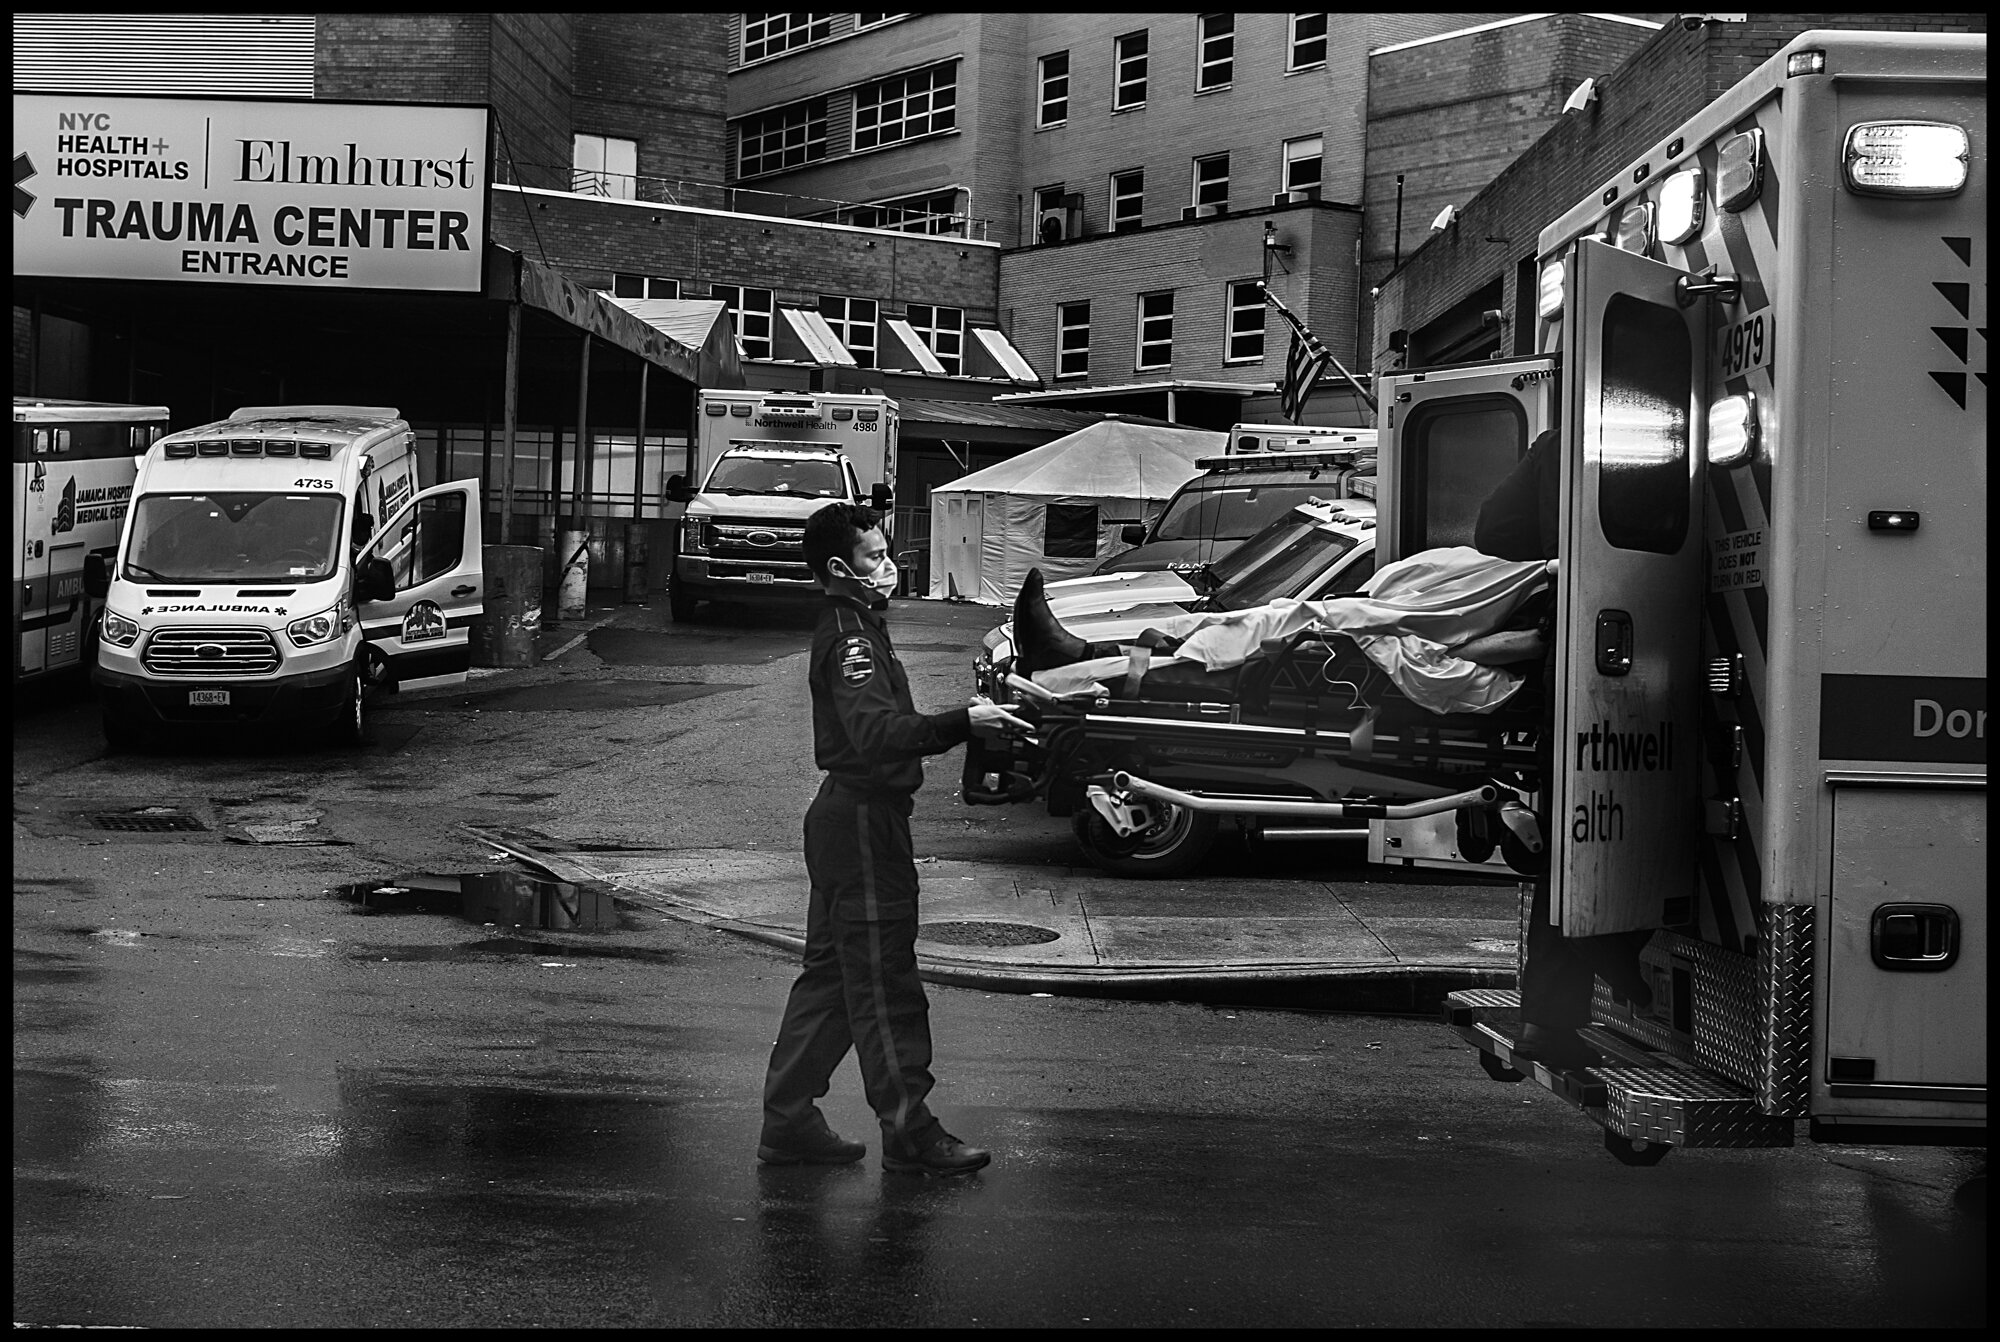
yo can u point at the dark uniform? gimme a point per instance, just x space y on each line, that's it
1519 520
859 987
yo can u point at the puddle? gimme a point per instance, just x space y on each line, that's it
503 898
560 955
578 696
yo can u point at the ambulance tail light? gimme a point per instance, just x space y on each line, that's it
1906 158
1732 430
1549 303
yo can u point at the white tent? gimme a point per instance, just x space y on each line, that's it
1058 508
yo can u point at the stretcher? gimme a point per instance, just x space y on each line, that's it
1309 739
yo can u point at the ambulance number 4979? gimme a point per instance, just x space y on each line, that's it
1746 346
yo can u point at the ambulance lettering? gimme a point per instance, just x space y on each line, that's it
1605 750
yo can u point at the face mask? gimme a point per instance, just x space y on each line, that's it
881 581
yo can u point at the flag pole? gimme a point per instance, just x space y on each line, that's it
1314 341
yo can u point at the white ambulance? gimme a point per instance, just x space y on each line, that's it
276 566
1763 346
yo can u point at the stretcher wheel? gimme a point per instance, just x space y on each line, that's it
1518 856
1474 828
1630 1152
1170 847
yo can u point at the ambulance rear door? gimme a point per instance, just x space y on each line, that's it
1448 435
1625 815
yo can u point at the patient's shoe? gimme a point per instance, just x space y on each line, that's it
1040 641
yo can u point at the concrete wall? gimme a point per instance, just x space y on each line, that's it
1673 74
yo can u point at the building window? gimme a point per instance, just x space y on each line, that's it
1302 160
751 310
943 330
1246 322
1128 200
1217 62
853 320
774 34
892 110
1072 340
604 166
1156 330
1211 181
644 286
786 138
1308 41
1131 72
870 20
935 213
1055 90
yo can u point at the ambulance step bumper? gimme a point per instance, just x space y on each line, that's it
1639 1094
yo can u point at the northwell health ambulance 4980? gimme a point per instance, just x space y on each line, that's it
252 586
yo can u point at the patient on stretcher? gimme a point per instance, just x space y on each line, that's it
1454 631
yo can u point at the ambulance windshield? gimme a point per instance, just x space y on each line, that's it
776 475
234 538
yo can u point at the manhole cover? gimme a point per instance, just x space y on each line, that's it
985 934
154 821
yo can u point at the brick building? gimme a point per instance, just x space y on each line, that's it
1433 308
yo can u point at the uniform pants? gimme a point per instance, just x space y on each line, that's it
859 988
1558 973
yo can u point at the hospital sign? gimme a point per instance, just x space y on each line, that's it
331 195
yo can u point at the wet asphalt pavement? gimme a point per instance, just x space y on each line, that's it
244 1100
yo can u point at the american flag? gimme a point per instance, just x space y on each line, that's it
1304 362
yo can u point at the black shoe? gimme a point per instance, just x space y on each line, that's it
1555 1048
1040 641
940 1153
828 1148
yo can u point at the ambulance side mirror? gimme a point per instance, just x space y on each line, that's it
1134 533
880 497
678 489
375 580
97 575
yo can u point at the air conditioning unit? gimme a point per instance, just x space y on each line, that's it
1203 211
1062 222
1298 197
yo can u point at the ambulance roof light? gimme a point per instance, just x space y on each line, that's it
1739 170
1681 206
1732 430
1812 62
1906 158
1549 302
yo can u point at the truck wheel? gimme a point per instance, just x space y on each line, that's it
680 603
351 728
1171 847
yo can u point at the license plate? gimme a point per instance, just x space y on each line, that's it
211 698
755 576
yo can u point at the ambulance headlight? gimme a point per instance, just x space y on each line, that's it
1681 206
1549 302
1732 430
1906 158
694 535
315 629
120 632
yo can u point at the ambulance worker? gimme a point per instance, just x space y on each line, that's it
1520 520
859 987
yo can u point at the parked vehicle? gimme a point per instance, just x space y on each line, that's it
762 463
74 463
251 586
1236 496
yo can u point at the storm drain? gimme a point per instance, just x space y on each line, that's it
985 934
152 820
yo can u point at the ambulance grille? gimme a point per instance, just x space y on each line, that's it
755 540
211 652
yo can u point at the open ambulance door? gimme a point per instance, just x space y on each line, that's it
1625 811
423 634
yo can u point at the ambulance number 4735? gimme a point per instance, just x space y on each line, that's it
310 482
1746 345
